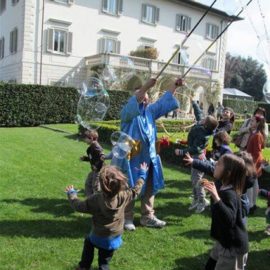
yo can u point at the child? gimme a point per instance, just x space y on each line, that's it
266 194
227 228
96 157
255 146
107 207
227 120
197 142
208 167
221 143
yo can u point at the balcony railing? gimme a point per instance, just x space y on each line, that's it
143 64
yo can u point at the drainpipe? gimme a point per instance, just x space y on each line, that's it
42 38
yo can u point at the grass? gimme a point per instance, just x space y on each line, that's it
38 229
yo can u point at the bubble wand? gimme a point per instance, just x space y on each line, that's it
185 39
214 41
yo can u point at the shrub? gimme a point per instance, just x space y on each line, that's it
240 106
32 105
150 53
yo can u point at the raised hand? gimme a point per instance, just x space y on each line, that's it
143 170
188 159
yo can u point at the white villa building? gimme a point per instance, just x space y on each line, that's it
58 41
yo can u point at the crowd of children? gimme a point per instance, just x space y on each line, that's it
233 192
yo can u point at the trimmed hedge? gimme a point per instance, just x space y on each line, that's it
240 105
32 105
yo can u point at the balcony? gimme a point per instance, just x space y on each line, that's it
142 64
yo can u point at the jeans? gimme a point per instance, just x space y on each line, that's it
104 256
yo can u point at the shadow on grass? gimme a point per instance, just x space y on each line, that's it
192 262
55 207
76 228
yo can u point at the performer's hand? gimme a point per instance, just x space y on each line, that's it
188 159
70 190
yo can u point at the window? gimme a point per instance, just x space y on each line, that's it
150 14
211 31
182 58
147 43
109 45
210 62
70 2
2 48
14 2
113 7
13 41
183 23
2 5
59 41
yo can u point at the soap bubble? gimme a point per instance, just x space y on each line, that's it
109 74
266 91
93 104
122 144
263 50
128 68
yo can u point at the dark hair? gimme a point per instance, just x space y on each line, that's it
260 109
223 137
112 180
250 167
232 113
92 134
210 122
234 172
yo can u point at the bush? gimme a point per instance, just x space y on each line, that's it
32 105
149 53
240 106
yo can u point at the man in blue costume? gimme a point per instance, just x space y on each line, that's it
138 120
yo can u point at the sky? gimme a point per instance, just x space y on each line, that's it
242 38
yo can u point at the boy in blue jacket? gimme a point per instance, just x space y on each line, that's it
198 138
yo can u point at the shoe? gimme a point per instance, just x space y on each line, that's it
80 268
129 226
200 207
193 205
153 222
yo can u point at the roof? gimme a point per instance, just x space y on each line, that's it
234 92
204 7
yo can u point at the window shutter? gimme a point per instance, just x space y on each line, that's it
15 41
69 42
49 40
156 14
216 32
118 47
101 45
207 33
120 6
188 24
10 42
105 5
143 12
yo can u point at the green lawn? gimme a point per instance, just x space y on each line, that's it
38 229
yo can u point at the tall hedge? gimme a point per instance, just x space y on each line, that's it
32 105
240 105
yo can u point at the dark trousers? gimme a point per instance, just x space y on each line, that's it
104 256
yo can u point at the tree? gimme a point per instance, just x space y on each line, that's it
245 74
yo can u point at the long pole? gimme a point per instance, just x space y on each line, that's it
213 42
185 39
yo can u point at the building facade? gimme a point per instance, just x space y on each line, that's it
59 41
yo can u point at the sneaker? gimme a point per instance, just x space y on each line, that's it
193 205
200 207
129 226
80 268
153 222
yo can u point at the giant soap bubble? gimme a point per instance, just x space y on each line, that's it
122 144
93 103
266 91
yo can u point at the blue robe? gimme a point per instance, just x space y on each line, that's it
139 122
